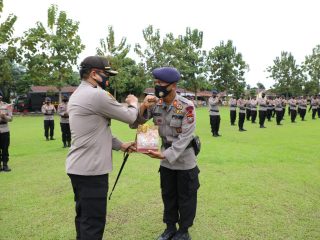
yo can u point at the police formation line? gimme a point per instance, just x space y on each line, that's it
267 107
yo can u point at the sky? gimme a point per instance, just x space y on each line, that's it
259 29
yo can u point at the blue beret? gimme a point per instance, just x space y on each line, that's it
214 92
166 74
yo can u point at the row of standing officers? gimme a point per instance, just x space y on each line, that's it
265 107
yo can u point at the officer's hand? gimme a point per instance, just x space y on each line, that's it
129 146
132 100
149 101
155 154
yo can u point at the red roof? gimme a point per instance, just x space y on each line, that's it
44 89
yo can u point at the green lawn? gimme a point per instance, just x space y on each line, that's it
259 184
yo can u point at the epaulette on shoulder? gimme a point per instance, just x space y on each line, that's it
185 101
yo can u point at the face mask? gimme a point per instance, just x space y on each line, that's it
103 84
161 91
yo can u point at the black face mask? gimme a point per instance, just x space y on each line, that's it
103 84
161 91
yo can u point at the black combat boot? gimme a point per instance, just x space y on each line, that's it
182 235
168 233
6 168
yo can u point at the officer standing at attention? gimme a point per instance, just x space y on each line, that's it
5 117
303 107
293 109
64 122
214 101
262 110
253 104
175 116
89 160
48 110
278 109
284 104
248 109
314 106
233 110
242 113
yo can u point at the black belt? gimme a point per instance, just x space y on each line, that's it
167 145
214 110
2 123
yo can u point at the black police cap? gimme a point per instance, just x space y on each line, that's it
97 62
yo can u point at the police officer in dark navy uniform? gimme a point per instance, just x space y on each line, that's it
175 116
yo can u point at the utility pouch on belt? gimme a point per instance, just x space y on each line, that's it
196 144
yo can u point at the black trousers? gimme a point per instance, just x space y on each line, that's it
215 124
279 116
262 117
318 112
253 116
48 125
314 111
269 114
179 194
293 115
66 134
90 195
283 112
233 117
4 148
242 117
303 113
248 114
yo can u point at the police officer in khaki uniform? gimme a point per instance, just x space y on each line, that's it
303 107
241 103
262 110
233 110
176 118
89 160
278 109
253 104
64 122
284 104
314 104
5 117
293 109
48 110
248 109
214 101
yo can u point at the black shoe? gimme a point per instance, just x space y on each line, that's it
218 135
242 130
262 126
64 145
167 234
69 144
6 168
47 139
51 138
181 236
279 124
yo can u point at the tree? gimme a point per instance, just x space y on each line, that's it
287 74
49 53
8 53
227 68
260 86
131 77
183 52
312 66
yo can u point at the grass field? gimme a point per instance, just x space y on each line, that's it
259 184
